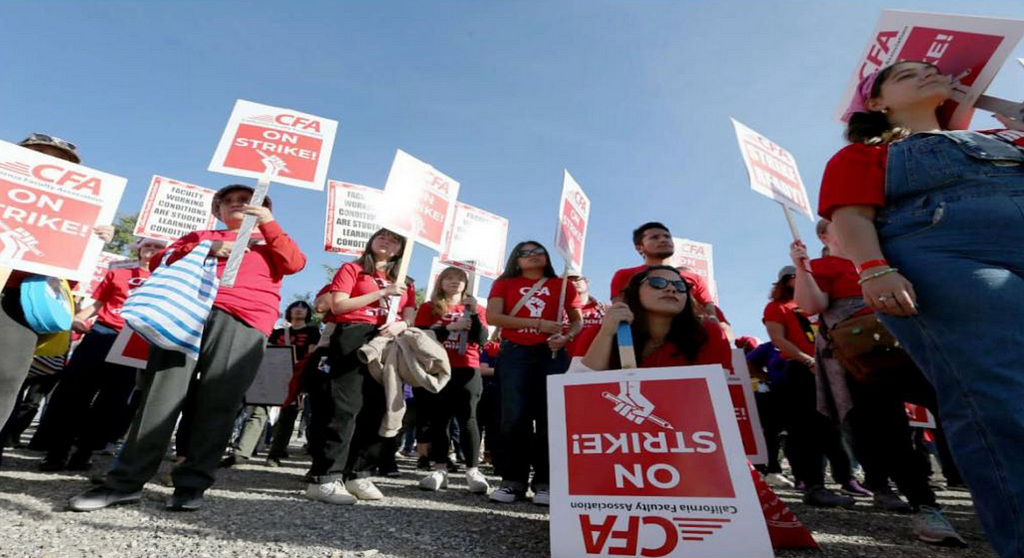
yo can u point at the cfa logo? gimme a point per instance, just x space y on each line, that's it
580 200
293 121
604 538
61 177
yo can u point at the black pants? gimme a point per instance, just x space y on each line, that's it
772 425
90 402
458 399
348 406
488 413
30 398
811 435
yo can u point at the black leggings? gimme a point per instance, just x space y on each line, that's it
458 399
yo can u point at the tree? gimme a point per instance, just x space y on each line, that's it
124 228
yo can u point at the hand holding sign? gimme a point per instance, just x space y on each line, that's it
16 243
272 164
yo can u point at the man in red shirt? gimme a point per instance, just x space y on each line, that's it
593 312
92 397
654 243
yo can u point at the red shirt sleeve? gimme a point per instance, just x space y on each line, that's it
425 315
718 350
410 297
584 341
287 258
854 176
498 290
103 290
774 313
822 274
344 279
619 282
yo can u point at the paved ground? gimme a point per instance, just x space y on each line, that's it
256 511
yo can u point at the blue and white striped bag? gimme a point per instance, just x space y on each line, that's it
171 308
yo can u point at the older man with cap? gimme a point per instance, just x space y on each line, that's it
207 392
18 340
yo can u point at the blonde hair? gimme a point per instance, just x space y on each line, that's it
438 300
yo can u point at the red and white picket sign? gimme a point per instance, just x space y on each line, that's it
419 201
573 214
85 289
772 171
919 416
697 257
476 241
741 392
352 217
48 209
282 145
649 462
173 209
970 49
437 266
129 349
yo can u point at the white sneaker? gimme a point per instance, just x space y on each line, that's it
477 482
436 480
507 495
364 489
777 480
331 492
542 497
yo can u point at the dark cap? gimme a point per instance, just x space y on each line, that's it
43 139
215 205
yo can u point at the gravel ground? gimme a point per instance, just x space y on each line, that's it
256 511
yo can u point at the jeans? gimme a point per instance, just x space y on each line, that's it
458 399
522 379
954 226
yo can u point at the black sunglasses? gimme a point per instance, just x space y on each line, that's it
660 283
52 140
531 252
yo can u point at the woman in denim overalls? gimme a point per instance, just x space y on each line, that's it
938 236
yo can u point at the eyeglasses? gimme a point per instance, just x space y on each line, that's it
50 140
531 252
660 283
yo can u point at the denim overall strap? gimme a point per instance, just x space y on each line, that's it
954 226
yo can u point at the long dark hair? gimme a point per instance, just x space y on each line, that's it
781 292
437 297
512 268
369 265
298 304
873 127
687 331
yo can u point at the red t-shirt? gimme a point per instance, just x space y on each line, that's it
715 351
351 279
698 287
256 295
112 292
836 277
543 304
856 174
425 318
302 339
593 315
798 327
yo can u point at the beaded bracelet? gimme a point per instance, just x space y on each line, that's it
877 274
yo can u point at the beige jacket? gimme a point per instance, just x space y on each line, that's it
415 358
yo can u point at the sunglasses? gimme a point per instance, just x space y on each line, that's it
660 283
52 140
531 252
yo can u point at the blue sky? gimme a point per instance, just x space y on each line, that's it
633 97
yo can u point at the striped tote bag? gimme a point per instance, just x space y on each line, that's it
171 308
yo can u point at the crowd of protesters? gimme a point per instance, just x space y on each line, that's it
917 298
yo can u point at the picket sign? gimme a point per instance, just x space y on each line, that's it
741 391
352 217
265 142
85 289
919 416
970 49
419 203
627 353
173 208
571 234
698 257
773 173
50 210
476 241
129 349
650 462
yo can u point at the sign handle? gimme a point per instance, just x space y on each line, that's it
403 270
470 291
242 240
1009 109
624 338
561 301
792 223
5 273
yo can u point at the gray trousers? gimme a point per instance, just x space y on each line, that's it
207 393
252 430
17 345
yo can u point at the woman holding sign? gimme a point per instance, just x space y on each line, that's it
347 404
667 329
524 303
450 314
933 220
